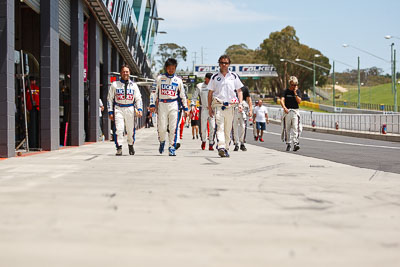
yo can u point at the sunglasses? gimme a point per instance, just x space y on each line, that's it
224 63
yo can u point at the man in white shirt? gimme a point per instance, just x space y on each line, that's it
261 119
221 100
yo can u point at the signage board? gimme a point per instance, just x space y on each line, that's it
243 70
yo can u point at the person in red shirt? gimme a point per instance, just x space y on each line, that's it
194 117
32 105
32 96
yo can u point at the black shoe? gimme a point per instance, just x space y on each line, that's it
243 148
197 137
296 147
236 147
193 137
177 146
119 151
131 150
288 147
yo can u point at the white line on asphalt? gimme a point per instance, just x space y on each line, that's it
337 142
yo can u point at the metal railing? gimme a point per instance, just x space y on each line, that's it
372 123
369 106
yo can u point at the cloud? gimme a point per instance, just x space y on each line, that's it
185 14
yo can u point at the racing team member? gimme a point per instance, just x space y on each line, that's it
202 91
292 127
240 121
122 97
222 97
169 94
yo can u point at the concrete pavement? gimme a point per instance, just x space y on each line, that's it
83 206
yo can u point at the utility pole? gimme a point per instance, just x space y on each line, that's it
394 84
359 84
392 65
333 85
202 55
194 60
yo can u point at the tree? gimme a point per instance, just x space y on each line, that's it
286 45
170 50
241 54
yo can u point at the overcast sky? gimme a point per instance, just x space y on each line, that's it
323 25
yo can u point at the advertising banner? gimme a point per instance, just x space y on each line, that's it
243 70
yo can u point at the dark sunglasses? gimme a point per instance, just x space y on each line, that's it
224 63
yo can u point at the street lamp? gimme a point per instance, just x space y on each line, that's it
393 65
295 63
314 64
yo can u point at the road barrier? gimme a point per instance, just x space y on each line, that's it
372 123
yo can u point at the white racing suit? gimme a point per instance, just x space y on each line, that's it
239 124
121 101
291 127
168 96
202 91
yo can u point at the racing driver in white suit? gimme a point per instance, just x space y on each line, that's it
122 98
202 91
167 98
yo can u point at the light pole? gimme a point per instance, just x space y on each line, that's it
362 50
295 63
395 89
334 77
393 61
314 72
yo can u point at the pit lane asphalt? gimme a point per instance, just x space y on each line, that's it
83 206
358 152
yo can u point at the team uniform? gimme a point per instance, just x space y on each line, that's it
224 99
122 98
291 124
202 91
240 120
169 95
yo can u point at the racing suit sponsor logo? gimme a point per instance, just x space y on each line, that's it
169 89
120 92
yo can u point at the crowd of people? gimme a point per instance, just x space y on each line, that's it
221 116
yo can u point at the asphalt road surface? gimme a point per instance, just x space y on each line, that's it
359 152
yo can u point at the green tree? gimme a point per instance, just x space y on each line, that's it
170 50
285 44
241 54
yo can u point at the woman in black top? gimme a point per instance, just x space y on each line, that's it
290 101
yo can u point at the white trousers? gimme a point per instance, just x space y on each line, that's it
205 117
239 126
124 119
224 119
291 127
168 119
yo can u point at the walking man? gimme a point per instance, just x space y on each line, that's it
202 92
168 96
290 101
122 97
240 121
221 100
261 119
